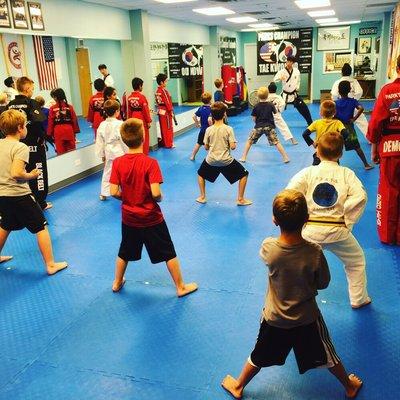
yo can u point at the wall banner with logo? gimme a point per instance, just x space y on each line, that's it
227 50
273 48
185 60
14 54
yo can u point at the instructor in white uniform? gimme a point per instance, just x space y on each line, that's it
107 78
355 92
290 78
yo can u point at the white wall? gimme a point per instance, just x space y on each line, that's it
81 20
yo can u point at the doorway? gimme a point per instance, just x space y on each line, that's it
85 80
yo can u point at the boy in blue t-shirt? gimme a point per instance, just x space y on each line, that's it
201 119
345 107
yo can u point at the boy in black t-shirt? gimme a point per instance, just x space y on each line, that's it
263 117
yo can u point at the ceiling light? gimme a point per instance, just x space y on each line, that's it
173 1
214 11
272 28
326 20
242 20
312 3
321 13
262 25
342 23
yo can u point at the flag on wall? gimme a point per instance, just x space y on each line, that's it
46 66
13 50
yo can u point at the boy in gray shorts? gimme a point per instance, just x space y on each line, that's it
219 140
263 116
291 317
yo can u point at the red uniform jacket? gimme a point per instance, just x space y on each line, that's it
95 114
63 123
385 118
163 100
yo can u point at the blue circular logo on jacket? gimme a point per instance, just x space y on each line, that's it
325 195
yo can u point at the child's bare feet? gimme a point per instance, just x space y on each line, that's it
244 202
242 160
102 198
48 206
201 200
186 289
56 267
118 285
286 160
191 158
294 141
368 167
230 384
366 302
5 258
355 386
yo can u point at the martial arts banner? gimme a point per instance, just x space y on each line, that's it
394 43
273 48
185 60
227 50
13 50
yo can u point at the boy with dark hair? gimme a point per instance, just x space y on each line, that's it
138 107
18 208
107 78
201 119
10 91
326 124
263 116
95 113
136 179
348 110
291 317
219 140
165 112
336 200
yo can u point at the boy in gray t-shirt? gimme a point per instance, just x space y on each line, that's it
18 207
219 140
291 317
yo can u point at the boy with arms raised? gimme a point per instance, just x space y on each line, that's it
291 317
135 179
18 207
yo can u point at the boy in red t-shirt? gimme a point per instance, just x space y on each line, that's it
135 179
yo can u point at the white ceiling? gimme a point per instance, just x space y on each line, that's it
283 12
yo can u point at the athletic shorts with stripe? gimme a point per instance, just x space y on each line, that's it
311 344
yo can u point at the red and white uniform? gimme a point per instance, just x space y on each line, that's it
62 126
95 113
138 107
165 112
384 130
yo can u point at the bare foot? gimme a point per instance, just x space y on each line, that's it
355 386
56 267
286 160
242 160
230 384
102 198
294 141
48 206
5 258
187 289
117 286
368 167
366 302
244 202
191 158
201 200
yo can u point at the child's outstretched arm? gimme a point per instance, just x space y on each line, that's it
115 191
196 121
322 275
344 133
360 110
156 192
307 137
356 200
18 171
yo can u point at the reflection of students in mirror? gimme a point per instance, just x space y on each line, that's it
95 113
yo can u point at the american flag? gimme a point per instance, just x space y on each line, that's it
46 66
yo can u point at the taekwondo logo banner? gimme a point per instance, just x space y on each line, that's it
273 48
185 60
227 50
13 50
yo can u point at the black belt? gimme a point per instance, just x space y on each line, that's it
162 104
294 91
387 132
136 109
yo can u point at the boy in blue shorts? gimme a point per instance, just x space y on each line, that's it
291 317
201 119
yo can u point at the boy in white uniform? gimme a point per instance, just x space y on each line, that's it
279 104
290 78
109 144
336 200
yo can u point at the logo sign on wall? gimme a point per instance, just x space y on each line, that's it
227 50
13 49
185 60
373 30
273 48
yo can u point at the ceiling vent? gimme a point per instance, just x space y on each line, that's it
380 5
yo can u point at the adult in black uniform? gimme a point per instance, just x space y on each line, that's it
35 139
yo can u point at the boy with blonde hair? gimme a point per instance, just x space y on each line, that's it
18 207
135 179
326 124
263 116
336 200
291 317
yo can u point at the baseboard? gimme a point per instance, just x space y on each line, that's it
176 134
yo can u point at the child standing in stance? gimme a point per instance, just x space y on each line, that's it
135 179
291 317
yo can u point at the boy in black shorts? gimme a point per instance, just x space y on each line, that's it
135 179
18 207
291 317
219 140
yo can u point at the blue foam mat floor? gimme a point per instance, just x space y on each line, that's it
70 337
